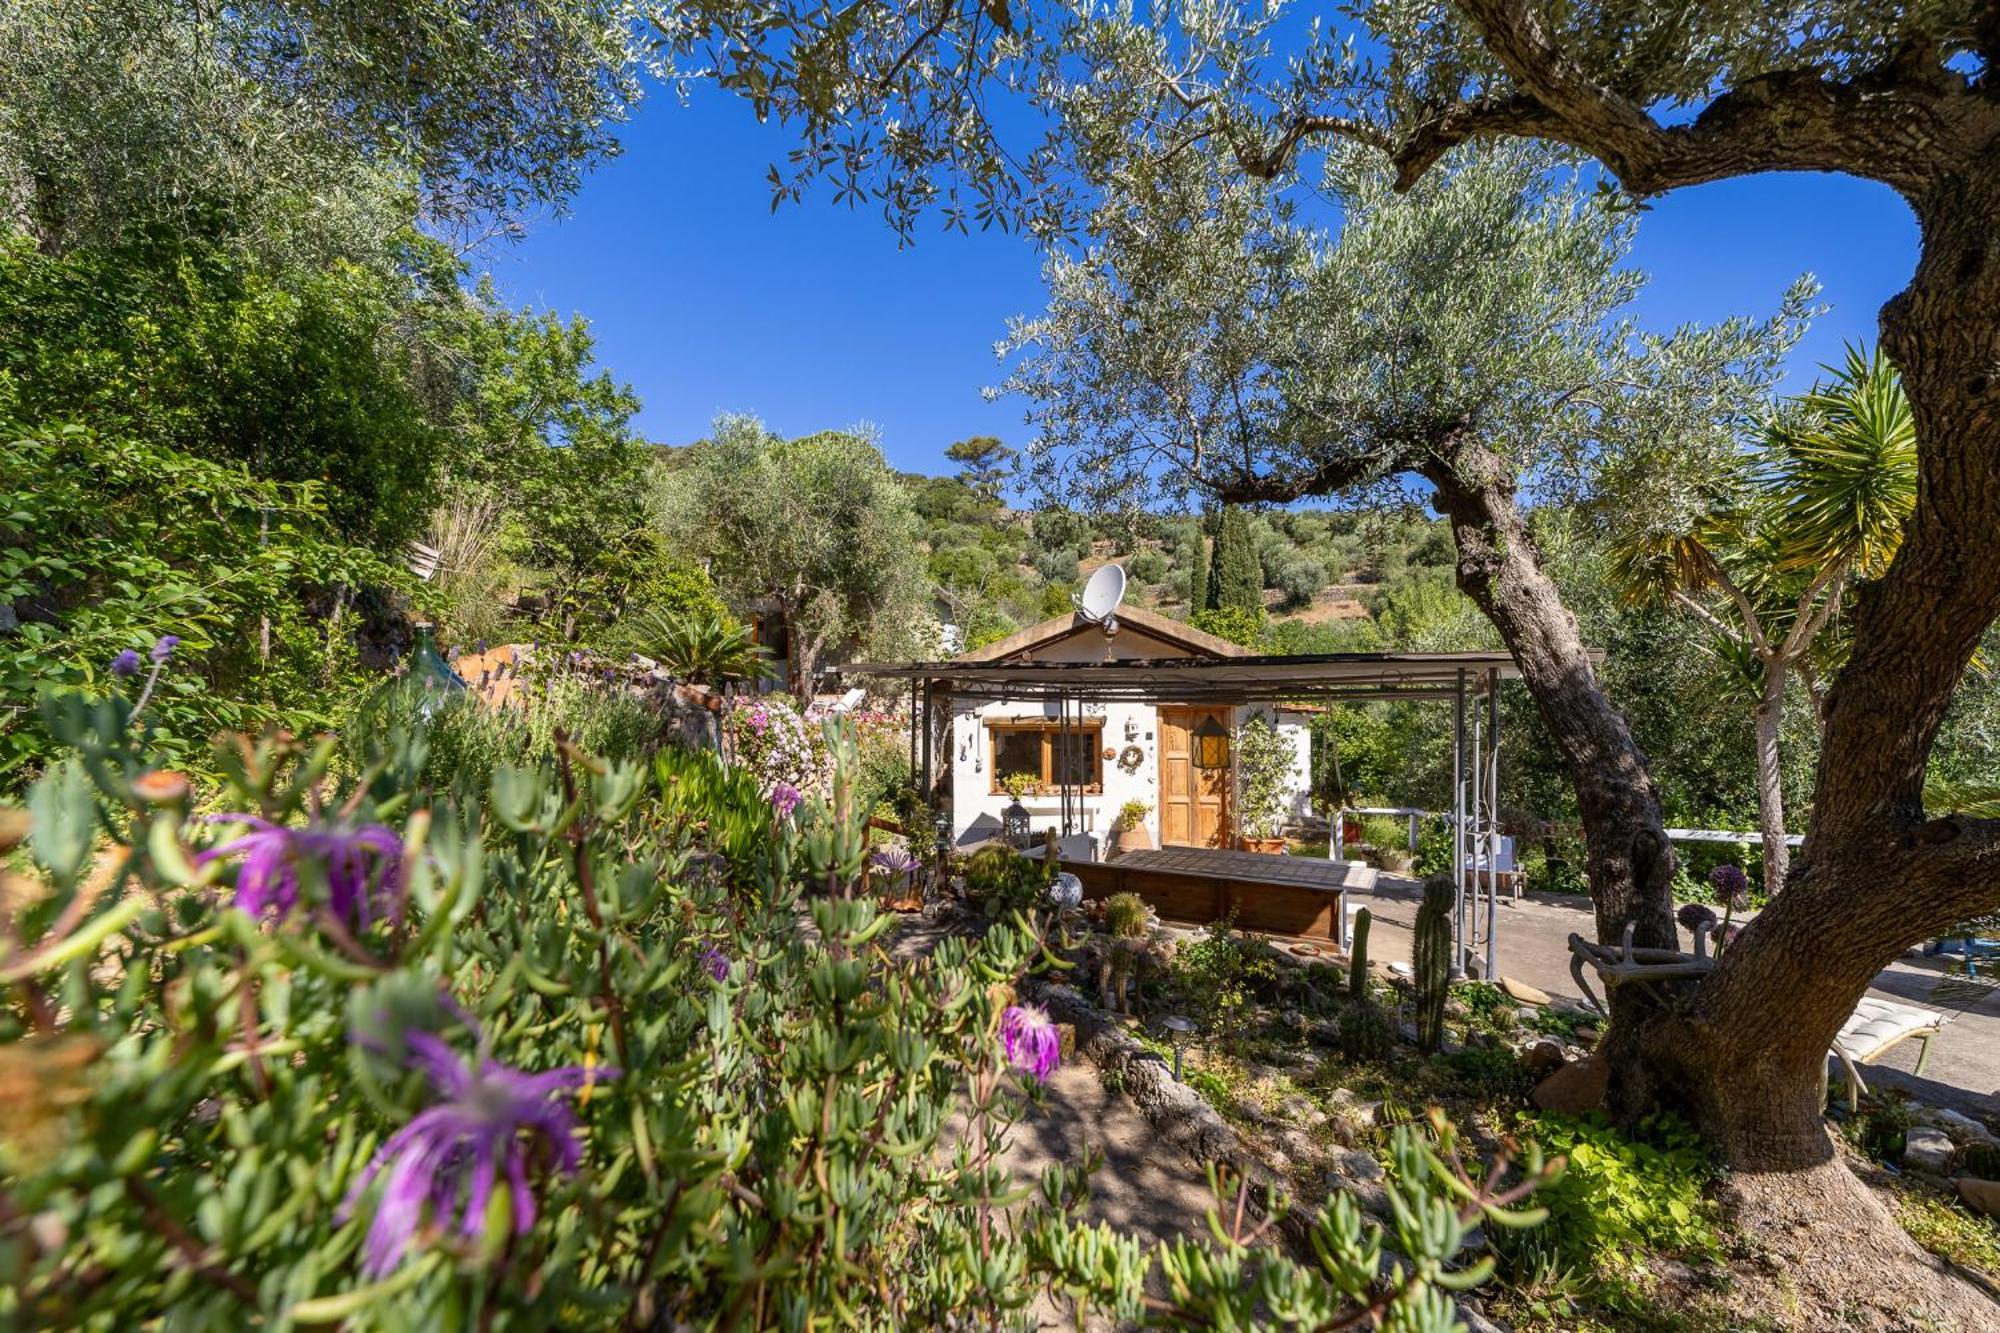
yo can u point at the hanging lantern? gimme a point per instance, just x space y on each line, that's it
1211 744
1014 824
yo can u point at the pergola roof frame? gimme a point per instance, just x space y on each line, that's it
1335 677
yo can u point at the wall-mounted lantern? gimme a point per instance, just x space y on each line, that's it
1211 744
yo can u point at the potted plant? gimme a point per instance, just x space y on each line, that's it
1128 832
1264 758
1390 839
1014 819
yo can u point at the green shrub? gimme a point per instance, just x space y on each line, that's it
1218 972
466 741
1434 847
1385 833
1126 916
1147 567
1620 1198
999 881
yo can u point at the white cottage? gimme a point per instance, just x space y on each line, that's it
1108 753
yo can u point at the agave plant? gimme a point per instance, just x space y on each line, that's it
698 646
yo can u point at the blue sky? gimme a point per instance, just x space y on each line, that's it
704 300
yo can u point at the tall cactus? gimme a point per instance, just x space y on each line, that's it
1357 959
1430 959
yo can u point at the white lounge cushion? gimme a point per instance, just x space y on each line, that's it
1876 1025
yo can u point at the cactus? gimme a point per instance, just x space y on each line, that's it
1364 1029
1430 960
1357 959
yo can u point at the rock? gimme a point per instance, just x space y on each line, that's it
1359 1174
1545 1056
1587 1034
1926 1148
1576 1089
1525 1015
1981 1196
1562 1004
1302 1112
1475 1319
1522 991
1297 1145
1066 1039
1961 1127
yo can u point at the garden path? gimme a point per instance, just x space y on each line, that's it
1147 1191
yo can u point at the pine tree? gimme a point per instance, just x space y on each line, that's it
1237 579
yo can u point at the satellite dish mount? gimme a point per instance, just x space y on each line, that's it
1100 598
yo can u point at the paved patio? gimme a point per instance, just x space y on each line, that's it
1964 1069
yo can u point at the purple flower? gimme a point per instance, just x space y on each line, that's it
163 647
716 962
892 860
444 1162
126 664
1030 1039
785 798
760 719
267 881
1731 885
1695 918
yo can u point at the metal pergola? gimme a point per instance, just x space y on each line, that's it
1469 681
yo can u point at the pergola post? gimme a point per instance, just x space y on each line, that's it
1462 949
925 757
1493 818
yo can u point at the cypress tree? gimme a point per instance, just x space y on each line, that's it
1198 575
1237 579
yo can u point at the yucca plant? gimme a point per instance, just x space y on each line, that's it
698 646
1766 567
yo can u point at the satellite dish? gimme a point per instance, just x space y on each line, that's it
1101 596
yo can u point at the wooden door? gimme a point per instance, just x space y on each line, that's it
1194 802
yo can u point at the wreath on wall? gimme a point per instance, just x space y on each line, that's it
1130 758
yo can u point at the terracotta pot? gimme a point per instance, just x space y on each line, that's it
1134 839
1397 860
1268 846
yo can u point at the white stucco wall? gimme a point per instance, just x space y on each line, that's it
976 808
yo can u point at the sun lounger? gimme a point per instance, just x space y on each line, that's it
1873 1029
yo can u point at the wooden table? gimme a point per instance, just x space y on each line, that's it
1283 895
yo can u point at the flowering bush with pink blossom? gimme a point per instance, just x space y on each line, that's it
614 1046
767 736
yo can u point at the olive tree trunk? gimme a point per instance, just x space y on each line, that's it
1745 1048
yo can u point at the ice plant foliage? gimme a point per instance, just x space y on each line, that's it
362 866
421 1125
1031 1041
442 1166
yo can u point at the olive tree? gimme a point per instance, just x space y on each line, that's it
817 528
1663 96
